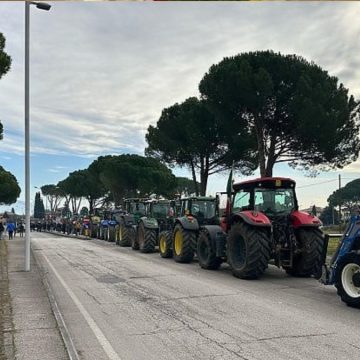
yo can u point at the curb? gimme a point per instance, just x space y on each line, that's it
64 332
82 237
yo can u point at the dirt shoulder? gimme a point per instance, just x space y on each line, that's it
7 343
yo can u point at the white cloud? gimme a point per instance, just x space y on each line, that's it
102 72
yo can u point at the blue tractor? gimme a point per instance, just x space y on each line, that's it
344 268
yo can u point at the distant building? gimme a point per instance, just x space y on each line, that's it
309 210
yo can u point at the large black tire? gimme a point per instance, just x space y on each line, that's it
206 253
93 231
348 287
146 238
111 234
165 244
184 244
248 250
124 235
308 262
135 240
117 234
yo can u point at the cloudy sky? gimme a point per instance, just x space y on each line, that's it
101 72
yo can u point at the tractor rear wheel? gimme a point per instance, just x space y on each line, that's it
184 244
147 239
206 253
248 250
124 235
347 279
308 262
165 244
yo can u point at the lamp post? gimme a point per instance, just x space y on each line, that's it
41 6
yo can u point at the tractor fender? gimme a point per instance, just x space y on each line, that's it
188 223
253 218
129 220
104 223
112 223
150 223
217 237
303 219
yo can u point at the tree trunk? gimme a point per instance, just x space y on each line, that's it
261 146
194 178
91 205
271 158
204 174
203 185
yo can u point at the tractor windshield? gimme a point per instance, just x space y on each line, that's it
203 209
137 208
274 201
160 210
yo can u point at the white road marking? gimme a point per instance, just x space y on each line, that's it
105 344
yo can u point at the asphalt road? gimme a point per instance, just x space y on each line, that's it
121 304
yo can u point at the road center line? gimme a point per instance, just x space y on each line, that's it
105 344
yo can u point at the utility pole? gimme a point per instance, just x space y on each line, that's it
41 6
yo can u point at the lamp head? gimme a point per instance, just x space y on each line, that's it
43 6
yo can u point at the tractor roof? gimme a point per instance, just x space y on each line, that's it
159 201
136 200
267 182
199 198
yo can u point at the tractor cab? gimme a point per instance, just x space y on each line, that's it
160 209
271 196
136 207
204 209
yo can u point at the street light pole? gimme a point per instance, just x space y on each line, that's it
47 7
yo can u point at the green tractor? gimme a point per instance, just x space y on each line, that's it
155 228
195 212
134 209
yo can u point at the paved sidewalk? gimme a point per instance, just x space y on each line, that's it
36 333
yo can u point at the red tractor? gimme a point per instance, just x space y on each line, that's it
263 223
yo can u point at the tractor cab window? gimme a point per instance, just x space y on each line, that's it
138 208
242 201
160 210
274 201
184 208
203 209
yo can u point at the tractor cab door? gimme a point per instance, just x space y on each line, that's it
242 201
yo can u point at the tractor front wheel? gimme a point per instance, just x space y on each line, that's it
206 253
147 239
347 279
111 234
248 250
165 244
134 238
308 262
184 244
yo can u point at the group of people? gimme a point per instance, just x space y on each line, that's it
11 229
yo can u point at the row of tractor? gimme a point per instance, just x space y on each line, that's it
261 224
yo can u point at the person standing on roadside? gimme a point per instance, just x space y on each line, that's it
2 229
21 229
10 228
